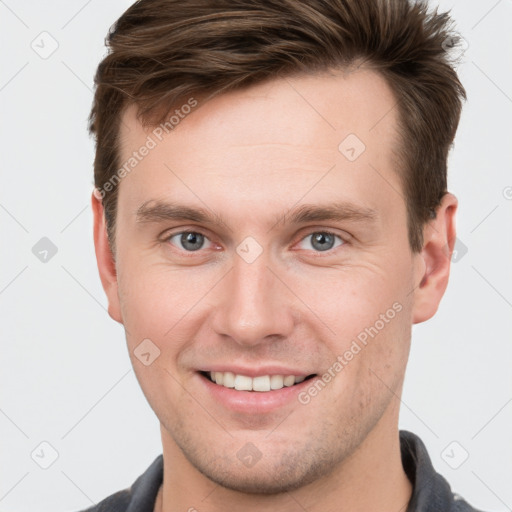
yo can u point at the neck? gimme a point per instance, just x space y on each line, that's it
372 478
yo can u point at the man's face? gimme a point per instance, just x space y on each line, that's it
262 293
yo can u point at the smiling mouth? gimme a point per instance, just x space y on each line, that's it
262 383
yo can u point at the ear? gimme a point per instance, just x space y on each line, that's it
105 259
435 258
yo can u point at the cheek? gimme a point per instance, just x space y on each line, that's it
384 353
152 293
141 303
166 306
351 298
366 313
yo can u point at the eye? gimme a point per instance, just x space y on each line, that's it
322 241
189 240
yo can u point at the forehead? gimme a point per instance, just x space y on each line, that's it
289 132
359 100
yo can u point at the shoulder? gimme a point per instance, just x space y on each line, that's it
117 502
431 491
460 505
139 497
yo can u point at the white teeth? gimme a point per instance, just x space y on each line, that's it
289 380
276 382
229 380
261 383
243 383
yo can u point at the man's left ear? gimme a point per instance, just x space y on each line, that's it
438 242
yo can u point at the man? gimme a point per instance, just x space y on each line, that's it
270 219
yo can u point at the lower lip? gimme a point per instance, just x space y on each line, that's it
254 402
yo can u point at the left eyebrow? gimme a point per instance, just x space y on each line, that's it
342 211
158 211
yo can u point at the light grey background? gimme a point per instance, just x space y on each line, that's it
66 378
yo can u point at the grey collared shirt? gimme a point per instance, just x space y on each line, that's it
431 492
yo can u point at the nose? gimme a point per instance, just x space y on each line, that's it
253 306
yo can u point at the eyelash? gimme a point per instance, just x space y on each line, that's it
344 240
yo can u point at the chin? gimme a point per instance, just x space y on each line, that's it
269 477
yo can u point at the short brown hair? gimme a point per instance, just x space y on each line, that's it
163 51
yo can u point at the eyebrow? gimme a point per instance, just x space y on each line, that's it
153 211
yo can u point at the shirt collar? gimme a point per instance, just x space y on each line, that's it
431 492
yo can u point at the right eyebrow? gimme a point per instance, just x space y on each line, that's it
155 211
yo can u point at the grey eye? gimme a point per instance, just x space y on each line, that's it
189 240
322 240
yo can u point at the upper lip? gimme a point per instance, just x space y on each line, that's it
255 371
